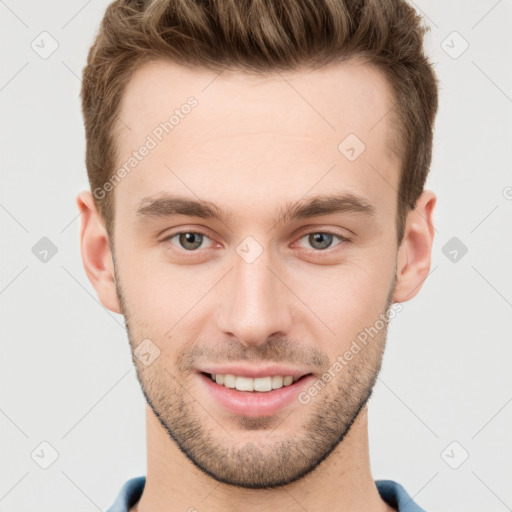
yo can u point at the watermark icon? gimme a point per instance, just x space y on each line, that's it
351 147
151 142
45 45
146 352
249 249
44 250
454 249
454 45
44 455
358 344
455 455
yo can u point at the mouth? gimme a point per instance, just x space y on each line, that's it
264 395
254 385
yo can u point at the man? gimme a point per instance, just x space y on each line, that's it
257 213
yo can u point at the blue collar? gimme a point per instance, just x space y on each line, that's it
391 492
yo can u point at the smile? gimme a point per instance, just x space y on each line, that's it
259 384
254 396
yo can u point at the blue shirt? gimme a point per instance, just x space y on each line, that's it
391 492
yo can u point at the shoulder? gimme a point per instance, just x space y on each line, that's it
395 495
129 495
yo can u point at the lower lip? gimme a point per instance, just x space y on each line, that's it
254 403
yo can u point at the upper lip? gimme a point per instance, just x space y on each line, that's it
255 371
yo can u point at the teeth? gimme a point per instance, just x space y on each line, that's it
287 381
244 384
261 384
229 381
277 381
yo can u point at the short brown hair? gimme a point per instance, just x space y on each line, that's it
261 36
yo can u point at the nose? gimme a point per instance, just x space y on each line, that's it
255 303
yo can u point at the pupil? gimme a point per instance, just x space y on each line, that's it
187 240
324 239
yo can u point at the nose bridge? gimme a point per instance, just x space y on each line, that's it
255 304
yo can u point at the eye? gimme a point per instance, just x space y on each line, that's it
188 240
321 240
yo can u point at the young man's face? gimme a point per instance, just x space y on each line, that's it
257 290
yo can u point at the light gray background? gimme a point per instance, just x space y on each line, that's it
66 373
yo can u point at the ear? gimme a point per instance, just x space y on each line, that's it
414 253
96 255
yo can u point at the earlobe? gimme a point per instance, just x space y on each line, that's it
96 254
414 254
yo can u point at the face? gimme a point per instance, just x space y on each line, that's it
249 241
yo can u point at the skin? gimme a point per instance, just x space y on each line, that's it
254 144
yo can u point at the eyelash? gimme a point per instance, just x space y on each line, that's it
324 232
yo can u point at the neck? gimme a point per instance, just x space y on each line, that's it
342 482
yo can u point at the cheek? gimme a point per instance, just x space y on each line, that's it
348 297
159 296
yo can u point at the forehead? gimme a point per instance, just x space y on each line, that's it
283 131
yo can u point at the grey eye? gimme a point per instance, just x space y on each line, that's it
320 240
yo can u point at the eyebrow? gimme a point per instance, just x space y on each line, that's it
167 205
